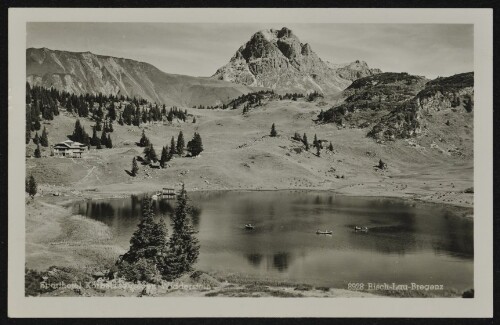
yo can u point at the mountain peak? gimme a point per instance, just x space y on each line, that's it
277 59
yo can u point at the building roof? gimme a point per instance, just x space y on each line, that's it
68 144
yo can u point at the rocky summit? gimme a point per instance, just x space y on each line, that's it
277 59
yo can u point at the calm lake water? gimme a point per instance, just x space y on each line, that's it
406 242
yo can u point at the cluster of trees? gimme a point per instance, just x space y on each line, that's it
42 103
316 143
312 96
246 109
42 140
194 147
80 135
292 96
210 107
254 98
303 139
153 256
100 142
133 115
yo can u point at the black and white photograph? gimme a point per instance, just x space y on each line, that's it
250 159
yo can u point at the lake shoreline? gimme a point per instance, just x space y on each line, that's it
105 250
72 195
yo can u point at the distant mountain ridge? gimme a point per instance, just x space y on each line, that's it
85 72
278 60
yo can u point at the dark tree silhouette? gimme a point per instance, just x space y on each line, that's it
135 168
273 131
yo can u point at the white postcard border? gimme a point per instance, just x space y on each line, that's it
480 306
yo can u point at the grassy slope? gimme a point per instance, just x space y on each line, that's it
239 154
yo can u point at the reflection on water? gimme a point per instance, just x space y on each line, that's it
406 242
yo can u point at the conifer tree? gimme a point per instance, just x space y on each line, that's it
172 147
94 140
169 154
180 144
28 136
318 151
120 120
306 143
147 256
32 186
98 125
183 245
273 131
79 133
150 153
144 141
104 139
112 112
164 157
135 168
315 142
44 141
194 119
195 146
38 153
330 147
109 143
36 139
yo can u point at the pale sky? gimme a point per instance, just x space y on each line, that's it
200 49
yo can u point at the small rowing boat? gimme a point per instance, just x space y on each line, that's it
326 232
249 226
358 228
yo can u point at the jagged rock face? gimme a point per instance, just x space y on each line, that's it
395 105
277 59
82 73
440 94
443 93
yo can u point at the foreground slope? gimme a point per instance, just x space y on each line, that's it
85 72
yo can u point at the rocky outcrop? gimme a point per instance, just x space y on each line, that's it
455 92
88 73
394 105
278 60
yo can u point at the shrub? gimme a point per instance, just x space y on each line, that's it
142 270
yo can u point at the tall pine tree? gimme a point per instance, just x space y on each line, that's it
44 141
183 245
32 186
172 147
164 157
195 146
135 168
38 153
180 144
305 141
148 252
